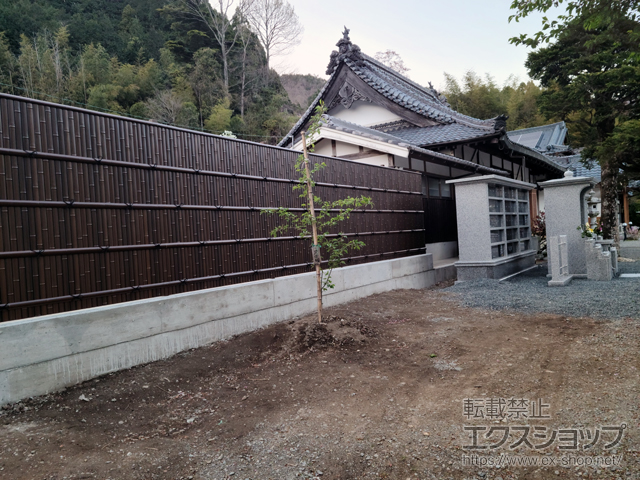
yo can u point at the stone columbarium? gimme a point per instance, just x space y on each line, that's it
494 227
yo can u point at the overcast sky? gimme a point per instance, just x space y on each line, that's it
431 36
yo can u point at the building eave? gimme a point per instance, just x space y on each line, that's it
534 155
327 133
452 161
466 141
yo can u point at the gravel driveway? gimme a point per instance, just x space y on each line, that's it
529 292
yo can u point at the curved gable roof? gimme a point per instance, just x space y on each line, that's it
393 86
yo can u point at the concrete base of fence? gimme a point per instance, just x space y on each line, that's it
45 354
442 250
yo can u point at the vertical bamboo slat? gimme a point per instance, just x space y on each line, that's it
30 235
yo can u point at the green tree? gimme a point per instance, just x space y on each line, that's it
7 66
93 67
622 148
131 33
44 64
474 96
590 66
217 22
122 55
220 118
205 82
483 98
104 97
28 18
320 218
522 105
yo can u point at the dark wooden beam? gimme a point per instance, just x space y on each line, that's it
364 153
392 160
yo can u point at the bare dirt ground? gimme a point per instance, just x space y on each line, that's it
377 393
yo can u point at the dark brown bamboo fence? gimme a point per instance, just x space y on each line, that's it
98 209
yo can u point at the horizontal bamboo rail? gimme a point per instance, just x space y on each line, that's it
97 209
184 281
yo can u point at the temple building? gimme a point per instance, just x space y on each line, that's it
377 116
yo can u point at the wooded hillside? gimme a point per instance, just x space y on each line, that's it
158 60
149 59
302 90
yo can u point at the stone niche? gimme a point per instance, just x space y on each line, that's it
494 228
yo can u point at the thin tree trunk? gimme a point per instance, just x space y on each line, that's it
245 46
315 249
242 92
268 58
225 70
609 193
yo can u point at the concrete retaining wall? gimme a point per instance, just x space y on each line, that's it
44 354
443 250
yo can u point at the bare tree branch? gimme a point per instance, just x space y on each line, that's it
276 24
219 23
393 60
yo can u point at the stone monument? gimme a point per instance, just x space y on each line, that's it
599 265
566 210
558 261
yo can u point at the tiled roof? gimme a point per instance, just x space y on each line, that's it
393 86
549 162
348 127
344 126
574 163
451 126
424 136
546 138
399 89
580 170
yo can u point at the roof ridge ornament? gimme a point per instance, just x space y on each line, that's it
347 95
346 49
438 96
500 123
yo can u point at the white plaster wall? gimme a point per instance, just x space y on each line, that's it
45 354
323 147
343 148
364 113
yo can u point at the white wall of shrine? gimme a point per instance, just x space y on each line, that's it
324 147
364 113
